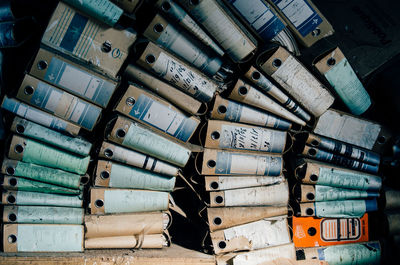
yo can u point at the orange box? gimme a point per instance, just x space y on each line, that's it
315 232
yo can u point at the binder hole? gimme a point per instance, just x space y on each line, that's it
106 46
331 61
312 152
12 217
219 199
194 2
309 211
19 149
13 182
316 32
12 239
108 153
313 177
84 180
310 196
217 221
150 58
222 109
221 244
214 185
99 203
10 171
10 198
314 143
211 163
28 90
104 175
215 135
20 128
312 231
121 133
130 101
256 75
381 139
158 28
277 63
242 90
165 6
41 65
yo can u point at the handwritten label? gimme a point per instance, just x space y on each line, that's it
258 139
179 75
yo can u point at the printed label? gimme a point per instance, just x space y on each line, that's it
79 82
300 14
241 113
252 139
348 129
74 109
131 201
164 118
239 164
130 177
346 179
261 234
50 238
341 229
367 253
33 114
273 195
179 75
150 143
210 15
260 17
346 83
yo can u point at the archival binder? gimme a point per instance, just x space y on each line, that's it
68 32
137 137
43 174
214 183
111 201
59 103
337 70
318 173
115 175
73 78
43 215
236 136
256 235
30 151
223 27
129 157
145 107
125 224
296 80
219 162
43 238
304 19
353 130
32 130
273 195
245 93
225 217
170 93
36 115
314 232
229 110
139 241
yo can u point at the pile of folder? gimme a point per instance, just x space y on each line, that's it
43 184
211 88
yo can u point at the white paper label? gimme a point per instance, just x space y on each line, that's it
79 82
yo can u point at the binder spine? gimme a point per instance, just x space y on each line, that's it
232 182
339 209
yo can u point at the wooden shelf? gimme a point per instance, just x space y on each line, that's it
174 255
